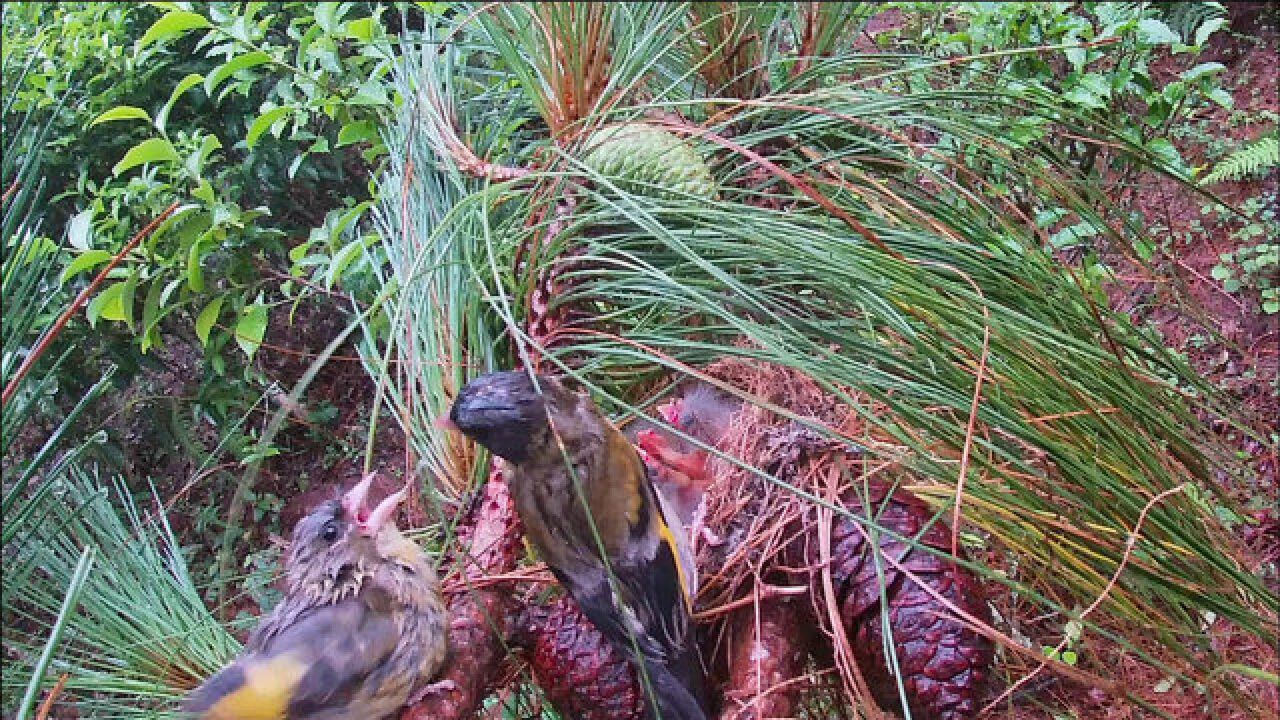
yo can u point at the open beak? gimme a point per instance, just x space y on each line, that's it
671 412
354 502
369 522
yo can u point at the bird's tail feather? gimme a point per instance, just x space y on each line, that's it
673 697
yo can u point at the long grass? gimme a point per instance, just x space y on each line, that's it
876 231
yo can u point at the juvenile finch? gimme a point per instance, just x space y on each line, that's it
591 512
361 627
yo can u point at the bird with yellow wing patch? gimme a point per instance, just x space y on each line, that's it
360 630
592 513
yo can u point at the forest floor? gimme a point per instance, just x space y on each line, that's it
1225 336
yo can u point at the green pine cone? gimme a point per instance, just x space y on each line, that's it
646 160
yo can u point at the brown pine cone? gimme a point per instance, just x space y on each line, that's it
581 674
945 665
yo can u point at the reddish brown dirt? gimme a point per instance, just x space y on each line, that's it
1233 343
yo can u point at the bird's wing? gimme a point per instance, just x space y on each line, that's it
649 601
318 661
679 541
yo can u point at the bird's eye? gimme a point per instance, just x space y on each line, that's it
330 531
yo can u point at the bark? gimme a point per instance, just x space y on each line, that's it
490 544
767 653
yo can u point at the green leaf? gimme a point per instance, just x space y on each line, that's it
204 192
208 316
168 290
1153 32
328 15
299 251
1220 272
126 300
349 217
1073 235
263 123
343 258
151 314
188 220
361 29
233 66
80 230
357 131
122 112
1145 248
195 276
1221 97
173 23
251 328
84 261
1207 69
185 84
147 151
1076 56
1168 154
1209 27
108 304
1081 95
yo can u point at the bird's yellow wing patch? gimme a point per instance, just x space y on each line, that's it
266 692
664 532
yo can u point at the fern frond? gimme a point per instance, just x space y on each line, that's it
1188 18
1257 157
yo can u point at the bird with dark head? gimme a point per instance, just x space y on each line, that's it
592 513
361 627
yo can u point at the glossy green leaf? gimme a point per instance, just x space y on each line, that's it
361 29
126 299
195 275
147 151
233 66
329 14
251 328
1209 27
185 84
176 231
80 230
344 257
358 131
151 315
1203 70
208 316
173 23
84 261
1154 32
204 192
264 123
122 112
107 305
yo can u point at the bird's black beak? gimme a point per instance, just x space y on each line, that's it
501 411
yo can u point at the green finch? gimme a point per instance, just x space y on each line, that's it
361 628
592 513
